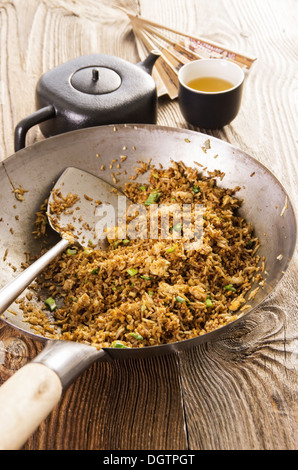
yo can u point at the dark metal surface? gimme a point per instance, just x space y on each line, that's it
89 189
92 90
36 168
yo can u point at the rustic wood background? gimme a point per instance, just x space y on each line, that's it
239 392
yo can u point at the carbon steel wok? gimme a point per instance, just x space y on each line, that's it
36 168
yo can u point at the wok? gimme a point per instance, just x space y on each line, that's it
32 392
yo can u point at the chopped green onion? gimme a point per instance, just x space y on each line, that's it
141 188
152 198
136 336
95 271
132 271
180 299
208 303
71 251
126 241
230 287
150 292
50 302
177 227
196 189
87 251
147 278
117 344
171 250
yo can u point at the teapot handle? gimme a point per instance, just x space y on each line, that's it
23 126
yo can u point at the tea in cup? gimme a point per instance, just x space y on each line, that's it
210 92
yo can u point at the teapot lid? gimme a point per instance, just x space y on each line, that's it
96 80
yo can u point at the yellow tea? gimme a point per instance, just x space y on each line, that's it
210 84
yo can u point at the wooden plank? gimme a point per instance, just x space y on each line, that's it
243 399
240 392
120 406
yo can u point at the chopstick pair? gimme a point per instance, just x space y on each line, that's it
177 48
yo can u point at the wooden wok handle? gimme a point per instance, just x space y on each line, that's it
26 400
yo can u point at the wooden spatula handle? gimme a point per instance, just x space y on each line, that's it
26 400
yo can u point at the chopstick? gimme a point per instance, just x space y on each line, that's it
176 51
199 42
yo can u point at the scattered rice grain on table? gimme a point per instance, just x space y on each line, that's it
141 293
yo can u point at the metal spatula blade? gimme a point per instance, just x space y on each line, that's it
73 212
76 206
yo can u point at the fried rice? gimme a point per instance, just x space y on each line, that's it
145 292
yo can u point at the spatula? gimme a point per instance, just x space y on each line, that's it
72 212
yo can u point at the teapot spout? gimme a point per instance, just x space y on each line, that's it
149 62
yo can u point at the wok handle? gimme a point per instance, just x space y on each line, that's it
23 126
30 395
10 292
27 398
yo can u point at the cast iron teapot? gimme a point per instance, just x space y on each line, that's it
92 90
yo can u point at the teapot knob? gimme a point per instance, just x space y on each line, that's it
95 80
95 75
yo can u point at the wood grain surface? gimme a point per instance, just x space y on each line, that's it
239 392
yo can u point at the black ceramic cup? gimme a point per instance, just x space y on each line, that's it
210 109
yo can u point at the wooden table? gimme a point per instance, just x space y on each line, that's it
239 392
